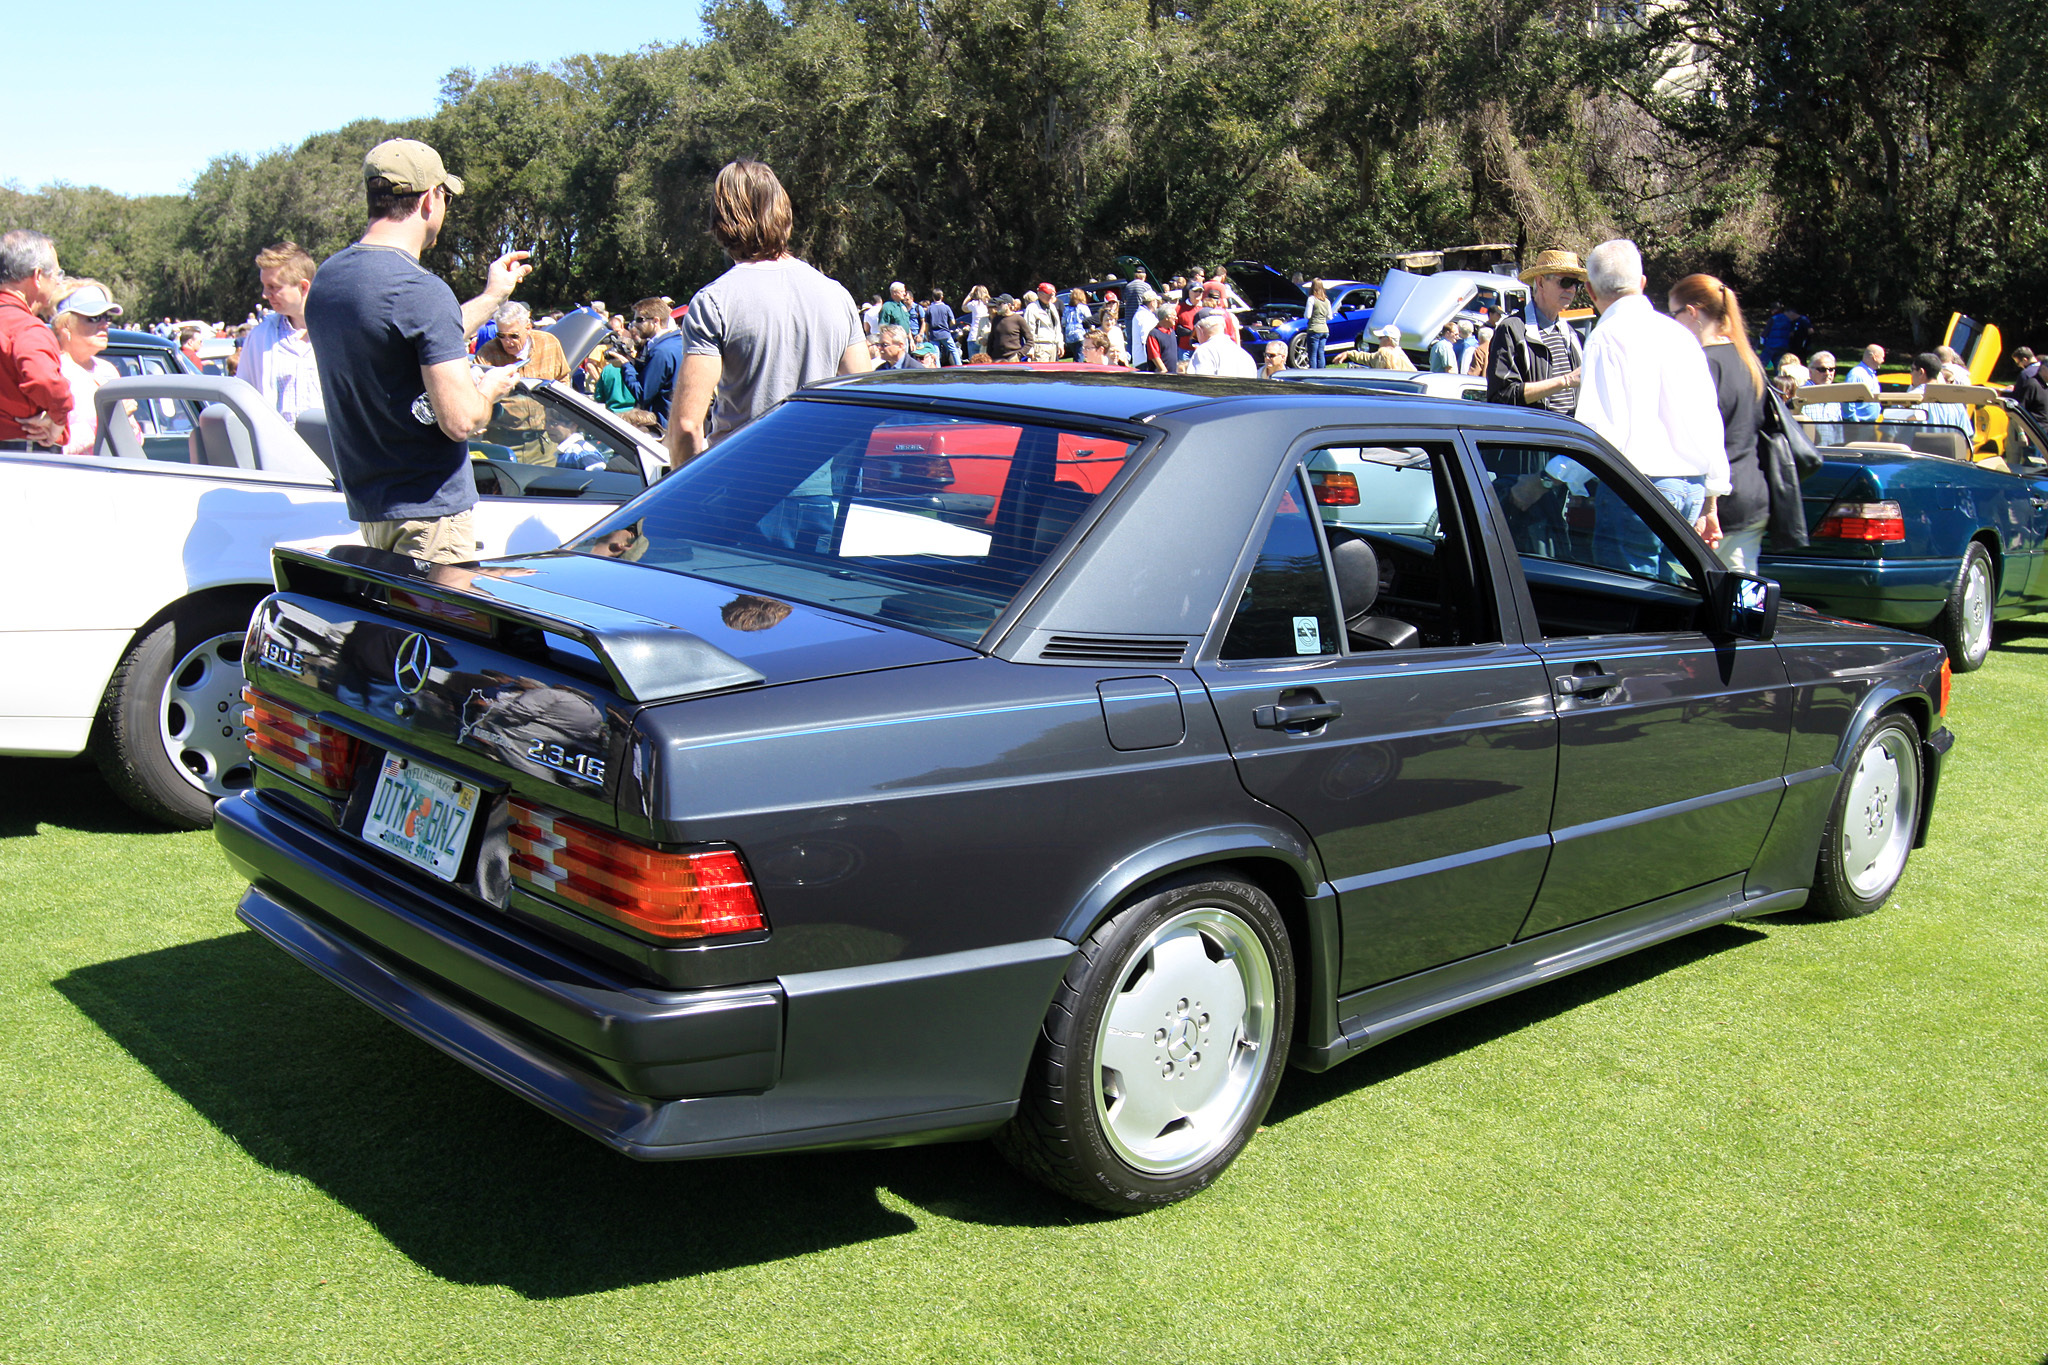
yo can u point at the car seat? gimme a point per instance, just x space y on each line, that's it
1358 585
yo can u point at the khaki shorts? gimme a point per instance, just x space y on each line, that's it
438 540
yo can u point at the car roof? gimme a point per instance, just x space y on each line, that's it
128 336
1130 396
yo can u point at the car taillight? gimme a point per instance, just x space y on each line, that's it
295 744
1862 521
670 895
1335 490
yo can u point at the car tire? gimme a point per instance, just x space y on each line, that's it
1964 626
1871 826
1162 1049
169 738
1297 352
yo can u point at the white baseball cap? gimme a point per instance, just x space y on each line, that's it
90 301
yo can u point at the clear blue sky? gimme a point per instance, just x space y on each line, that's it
179 85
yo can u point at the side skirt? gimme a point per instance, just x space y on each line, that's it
1374 1015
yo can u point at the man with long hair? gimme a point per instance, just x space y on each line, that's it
763 329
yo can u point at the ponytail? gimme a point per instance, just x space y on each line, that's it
1718 302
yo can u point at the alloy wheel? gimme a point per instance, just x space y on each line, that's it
1179 1050
200 716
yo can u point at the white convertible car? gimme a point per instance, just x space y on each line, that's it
135 568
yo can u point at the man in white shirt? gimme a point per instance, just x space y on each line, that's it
1143 319
1647 389
1216 353
277 355
1865 372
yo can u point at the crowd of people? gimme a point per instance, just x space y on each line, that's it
407 375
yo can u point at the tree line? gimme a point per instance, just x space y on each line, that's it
1865 160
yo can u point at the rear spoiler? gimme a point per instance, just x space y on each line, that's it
646 660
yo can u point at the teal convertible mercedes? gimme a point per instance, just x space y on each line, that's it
1929 512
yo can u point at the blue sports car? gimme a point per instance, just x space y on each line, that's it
1279 305
1929 517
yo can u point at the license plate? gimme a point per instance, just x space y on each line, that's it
422 815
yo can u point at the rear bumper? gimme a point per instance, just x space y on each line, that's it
1897 592
894 1052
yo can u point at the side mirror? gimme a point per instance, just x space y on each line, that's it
1746 606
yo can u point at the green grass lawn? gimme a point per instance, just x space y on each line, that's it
1787 1141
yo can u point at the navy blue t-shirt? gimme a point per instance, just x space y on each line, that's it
376 316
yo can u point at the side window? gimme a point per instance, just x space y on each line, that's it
160 419
1405 573
1287 609
1564 519
540 445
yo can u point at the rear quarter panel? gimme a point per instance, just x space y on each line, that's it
935 809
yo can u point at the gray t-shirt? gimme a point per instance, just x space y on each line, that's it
776 326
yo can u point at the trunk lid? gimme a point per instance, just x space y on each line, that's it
533 668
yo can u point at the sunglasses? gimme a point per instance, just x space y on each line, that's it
103 321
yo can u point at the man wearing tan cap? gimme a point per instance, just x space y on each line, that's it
1533 359
392 344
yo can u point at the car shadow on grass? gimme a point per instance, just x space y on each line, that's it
66 792
2021 637
1301 1091
471 1183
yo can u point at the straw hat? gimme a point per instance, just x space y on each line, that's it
1552 261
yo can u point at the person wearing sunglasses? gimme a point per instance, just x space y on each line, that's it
1820 369
84 313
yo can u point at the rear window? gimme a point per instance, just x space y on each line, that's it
923 521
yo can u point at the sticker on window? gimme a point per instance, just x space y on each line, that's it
1308 635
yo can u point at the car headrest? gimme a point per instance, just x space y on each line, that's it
1358 578
224 440
312 428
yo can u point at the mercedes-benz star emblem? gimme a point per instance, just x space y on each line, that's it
410 669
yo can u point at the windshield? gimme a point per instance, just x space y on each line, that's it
1899 430
924 521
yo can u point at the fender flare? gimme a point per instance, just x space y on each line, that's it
1320 951
1216 844
1882 698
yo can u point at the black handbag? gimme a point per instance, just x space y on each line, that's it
1787 457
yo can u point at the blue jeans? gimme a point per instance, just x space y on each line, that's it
948 354
1623 540
1317 344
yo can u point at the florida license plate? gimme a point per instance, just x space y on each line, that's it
422 815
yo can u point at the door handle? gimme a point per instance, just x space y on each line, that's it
1284 717
1584 684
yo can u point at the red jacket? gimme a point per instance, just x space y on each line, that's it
31 371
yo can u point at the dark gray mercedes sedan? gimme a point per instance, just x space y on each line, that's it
983 752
